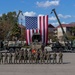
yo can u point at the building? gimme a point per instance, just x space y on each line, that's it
50 28
67 29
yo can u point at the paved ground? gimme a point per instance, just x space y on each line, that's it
67 68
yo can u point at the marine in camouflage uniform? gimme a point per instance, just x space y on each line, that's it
25 56
60 57
6 58
1 58
29 56
41 57
44 55
21 56
36 57
20 61
48 57
16 57
10 58
54 58
32 57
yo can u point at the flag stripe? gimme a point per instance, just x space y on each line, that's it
43 29
26 38
46 29
36 30
40 27
31 33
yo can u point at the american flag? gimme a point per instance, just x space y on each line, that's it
38 24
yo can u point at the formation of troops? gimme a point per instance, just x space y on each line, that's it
31 57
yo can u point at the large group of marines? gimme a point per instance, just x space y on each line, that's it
31 57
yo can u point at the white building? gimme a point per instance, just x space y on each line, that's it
67 29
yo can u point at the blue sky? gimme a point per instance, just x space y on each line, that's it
64 8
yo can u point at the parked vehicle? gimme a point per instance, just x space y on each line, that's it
11 45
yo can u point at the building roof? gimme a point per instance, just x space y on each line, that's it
50 26
22 26
67 25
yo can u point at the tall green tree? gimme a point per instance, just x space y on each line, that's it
16 31
73 31
9 25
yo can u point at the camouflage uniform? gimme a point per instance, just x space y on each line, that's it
48 58
44 55
20 61
1 58
16 57
6 58
54 58
32 58
41 56
21 56
29 55
25 56
60 57
10 58
36 57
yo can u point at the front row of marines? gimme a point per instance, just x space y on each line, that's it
31 56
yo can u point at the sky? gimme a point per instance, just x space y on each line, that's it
64 8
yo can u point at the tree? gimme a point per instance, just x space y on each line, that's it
52 36
23 29
16 31
73 31
1 31
72 35
8 22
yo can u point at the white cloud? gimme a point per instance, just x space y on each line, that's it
48 3
64 16
64 23
29 13
60 16
56 23
52 18
41 15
